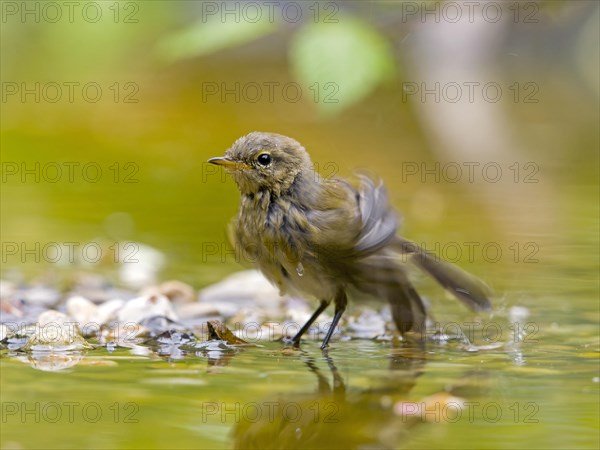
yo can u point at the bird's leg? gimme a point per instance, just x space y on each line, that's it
304 329
340 306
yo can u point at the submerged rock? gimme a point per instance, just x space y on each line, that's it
55 332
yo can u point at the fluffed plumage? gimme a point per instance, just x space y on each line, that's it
319 237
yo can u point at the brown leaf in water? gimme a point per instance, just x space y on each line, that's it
217 330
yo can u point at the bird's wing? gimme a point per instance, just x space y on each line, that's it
379 221
334 218
351 221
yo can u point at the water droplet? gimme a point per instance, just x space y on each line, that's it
300 269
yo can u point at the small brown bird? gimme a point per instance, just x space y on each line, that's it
321 237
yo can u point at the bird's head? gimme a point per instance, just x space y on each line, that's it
265 161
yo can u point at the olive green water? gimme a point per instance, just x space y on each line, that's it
540 395
533 385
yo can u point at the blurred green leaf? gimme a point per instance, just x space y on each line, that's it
203 38
340 63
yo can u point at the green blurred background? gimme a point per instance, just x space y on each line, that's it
180 81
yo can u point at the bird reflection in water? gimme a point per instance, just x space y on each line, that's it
337 417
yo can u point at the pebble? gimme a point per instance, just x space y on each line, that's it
206 309
98 289
107 311
245 301
366 324
81 310
248 288
8 308
146 307
55 332
248 316
89 316
40 295
4 332
124 335
7 289
176 291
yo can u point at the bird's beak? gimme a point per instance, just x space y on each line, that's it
228 163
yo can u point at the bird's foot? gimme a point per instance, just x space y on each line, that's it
291 342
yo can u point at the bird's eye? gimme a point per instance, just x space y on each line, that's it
264 159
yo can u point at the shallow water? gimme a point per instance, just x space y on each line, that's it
537 394
516 381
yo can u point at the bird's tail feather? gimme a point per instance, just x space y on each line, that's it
469 289
408 310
